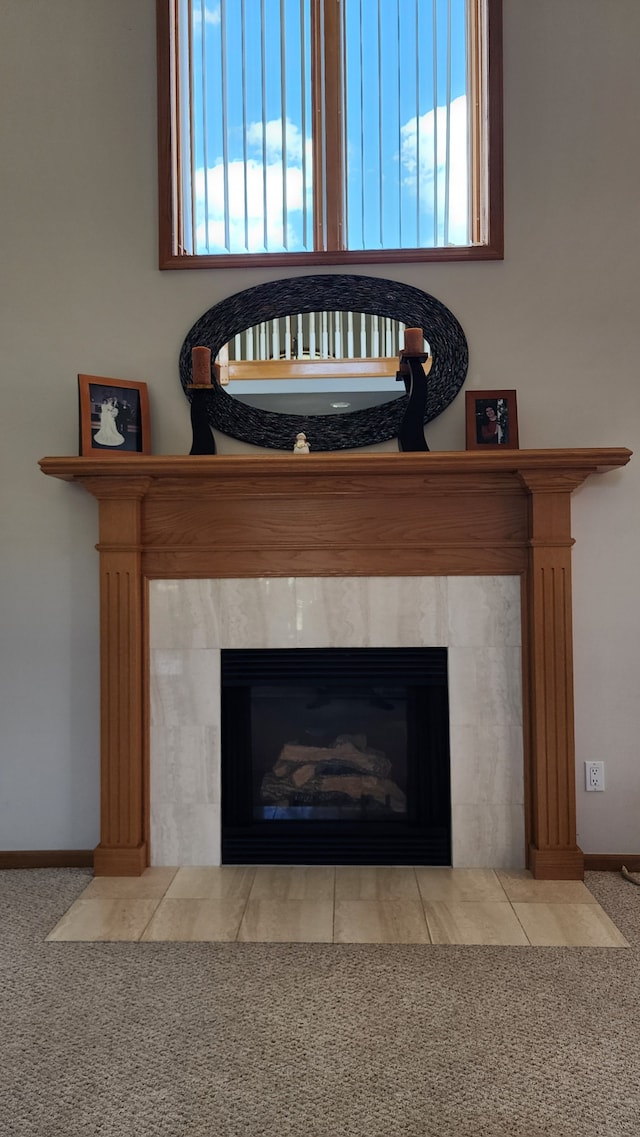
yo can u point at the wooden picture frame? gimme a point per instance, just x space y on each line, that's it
491 420
114 416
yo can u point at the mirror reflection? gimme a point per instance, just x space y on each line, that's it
315 363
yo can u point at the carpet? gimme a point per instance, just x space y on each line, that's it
237 1040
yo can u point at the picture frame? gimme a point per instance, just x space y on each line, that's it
114 416
491 420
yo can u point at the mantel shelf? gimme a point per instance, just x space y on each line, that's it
465 462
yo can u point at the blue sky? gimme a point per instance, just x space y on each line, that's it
266 117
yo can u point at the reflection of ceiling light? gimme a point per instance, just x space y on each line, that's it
340 406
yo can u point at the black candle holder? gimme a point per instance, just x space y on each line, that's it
414 376
203 440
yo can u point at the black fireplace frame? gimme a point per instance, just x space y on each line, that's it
422 838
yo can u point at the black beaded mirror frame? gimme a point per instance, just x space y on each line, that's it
328 293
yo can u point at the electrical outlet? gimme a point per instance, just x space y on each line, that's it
594 775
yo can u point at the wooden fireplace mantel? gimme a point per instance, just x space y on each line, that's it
371 514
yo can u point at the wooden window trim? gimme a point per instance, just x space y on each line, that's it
168 190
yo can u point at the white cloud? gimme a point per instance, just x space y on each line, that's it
211 15
268 179
426 162
256 181
259 181
273 139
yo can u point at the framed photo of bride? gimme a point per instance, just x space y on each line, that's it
114 416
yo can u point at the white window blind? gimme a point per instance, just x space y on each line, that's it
305 126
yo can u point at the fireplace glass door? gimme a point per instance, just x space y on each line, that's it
335 756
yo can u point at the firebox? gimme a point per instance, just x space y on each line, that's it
335 756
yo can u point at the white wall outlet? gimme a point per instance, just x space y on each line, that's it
594 775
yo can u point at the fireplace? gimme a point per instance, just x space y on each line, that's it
335 755
352 516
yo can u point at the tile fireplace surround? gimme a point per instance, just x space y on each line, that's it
468 549
477 618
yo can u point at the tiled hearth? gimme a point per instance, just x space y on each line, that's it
476 617
339 905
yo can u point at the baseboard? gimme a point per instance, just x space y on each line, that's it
611 862
46 859
83 858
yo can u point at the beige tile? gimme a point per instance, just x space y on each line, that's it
192 921
460 885
92 920
151 885
380 922
289 882
376 882
482 923
568 925
287 921
227 882
522 888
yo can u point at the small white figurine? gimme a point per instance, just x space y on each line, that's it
301 446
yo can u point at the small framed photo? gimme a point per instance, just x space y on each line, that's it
491 419
114 416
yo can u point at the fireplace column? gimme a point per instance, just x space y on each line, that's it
123 848
553 851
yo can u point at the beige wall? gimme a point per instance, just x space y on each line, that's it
81 292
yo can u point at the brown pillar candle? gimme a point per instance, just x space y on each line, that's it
413 341
201 366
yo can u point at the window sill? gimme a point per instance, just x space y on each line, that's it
488 252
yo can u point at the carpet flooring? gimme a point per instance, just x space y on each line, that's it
312 1040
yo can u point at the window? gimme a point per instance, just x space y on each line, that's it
329 131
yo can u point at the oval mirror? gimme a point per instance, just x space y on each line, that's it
319 354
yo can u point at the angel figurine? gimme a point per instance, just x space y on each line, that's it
301 446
